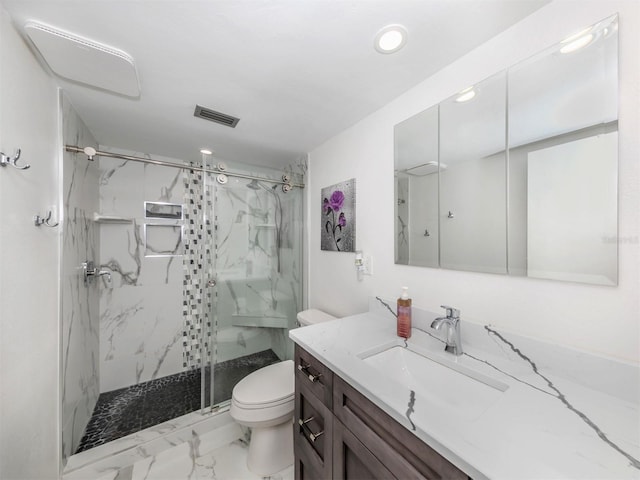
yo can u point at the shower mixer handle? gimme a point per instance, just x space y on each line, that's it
90 271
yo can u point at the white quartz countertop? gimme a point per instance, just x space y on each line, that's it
562 414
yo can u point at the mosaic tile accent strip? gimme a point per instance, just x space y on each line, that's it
198 268
128 410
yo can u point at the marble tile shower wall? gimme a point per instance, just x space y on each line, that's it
80 303
141 307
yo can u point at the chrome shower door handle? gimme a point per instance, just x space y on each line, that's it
211 282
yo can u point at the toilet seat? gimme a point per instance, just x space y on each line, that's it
255 406
262 416
270 386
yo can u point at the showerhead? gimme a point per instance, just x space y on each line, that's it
253 185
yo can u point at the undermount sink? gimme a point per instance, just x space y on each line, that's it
444 383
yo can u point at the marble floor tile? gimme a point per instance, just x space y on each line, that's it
175 463
228 462
206 432
219 453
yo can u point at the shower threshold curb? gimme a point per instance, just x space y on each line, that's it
146 443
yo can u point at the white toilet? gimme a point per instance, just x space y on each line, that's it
263 401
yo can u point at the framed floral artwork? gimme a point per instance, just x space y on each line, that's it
338 219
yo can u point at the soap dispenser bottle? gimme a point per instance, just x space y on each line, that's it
404 314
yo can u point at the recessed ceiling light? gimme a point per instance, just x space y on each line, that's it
466 95
205 151
390 39
578 43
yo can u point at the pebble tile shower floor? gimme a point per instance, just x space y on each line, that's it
128 410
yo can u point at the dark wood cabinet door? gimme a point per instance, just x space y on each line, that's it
352 460
309 468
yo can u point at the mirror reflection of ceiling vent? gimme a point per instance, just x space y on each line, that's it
85 61
217 117
425 169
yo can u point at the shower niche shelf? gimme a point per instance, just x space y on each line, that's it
100 218
266 320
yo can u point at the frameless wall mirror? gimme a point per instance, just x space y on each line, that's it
563 160
519 179
416 184
473 225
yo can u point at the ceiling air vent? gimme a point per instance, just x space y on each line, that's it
217 117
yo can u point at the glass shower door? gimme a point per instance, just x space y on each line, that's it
255 258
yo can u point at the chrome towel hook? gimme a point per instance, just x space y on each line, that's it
38 220
13 161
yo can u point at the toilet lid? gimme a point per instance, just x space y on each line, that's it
313 316
270 384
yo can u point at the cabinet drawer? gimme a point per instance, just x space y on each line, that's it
405 455
313 433
313 374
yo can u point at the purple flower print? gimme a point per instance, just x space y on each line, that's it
333 206
326 208
336 200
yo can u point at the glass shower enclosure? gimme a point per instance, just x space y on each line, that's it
195 284
250 260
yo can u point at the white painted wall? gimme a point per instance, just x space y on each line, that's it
595 318
29 332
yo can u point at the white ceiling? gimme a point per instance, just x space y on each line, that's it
296 72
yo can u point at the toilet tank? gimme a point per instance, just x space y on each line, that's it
313 316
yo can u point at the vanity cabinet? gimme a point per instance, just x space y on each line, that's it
358 439
313 428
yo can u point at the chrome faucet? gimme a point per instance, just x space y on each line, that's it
452 321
